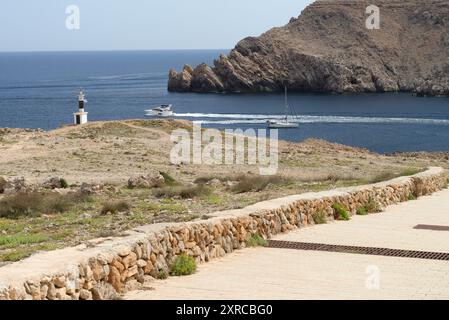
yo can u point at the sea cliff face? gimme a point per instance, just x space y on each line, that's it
328 48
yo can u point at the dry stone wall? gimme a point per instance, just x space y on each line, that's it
107 267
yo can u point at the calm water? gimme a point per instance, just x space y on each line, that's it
39 90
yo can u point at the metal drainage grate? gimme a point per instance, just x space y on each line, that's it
359 250
431 227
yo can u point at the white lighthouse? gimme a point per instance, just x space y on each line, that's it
80 117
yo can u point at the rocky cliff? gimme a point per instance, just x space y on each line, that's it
329 49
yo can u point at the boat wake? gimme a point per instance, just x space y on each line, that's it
231 119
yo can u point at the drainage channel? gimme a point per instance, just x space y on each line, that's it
359 250
431 227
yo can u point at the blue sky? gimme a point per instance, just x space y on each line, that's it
30 25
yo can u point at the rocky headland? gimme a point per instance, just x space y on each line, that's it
329 49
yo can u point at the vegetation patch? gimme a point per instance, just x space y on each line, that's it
162 275
340 212
169 180
362 211
319 217
373 206
256 240
385 176
411 197
63 183
182 192
35 204
257 183
184 265
21 239
115 207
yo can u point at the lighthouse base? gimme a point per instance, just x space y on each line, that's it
80 118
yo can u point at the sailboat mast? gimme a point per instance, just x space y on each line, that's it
286 104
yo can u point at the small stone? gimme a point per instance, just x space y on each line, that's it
85 295
59 281
130 260
141 263
132 271
115 279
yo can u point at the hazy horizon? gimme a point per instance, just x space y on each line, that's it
113 25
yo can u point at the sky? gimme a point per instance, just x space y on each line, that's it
30 25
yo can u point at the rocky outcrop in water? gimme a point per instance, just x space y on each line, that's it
329 49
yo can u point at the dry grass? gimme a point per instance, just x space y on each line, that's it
257 183
37 203
114 207
182 192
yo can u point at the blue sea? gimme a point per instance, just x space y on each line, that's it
39 90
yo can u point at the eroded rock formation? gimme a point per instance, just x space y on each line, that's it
329 49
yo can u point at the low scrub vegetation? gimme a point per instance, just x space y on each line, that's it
256 240
319 217
257 183
362 211
183 192
373 206
169 180
340 212
411 197
162 275
114 207
385 176
21 239
64 183
184 265
35 204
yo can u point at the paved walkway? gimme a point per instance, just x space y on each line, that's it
265 273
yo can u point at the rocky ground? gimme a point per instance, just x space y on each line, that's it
66 186
329 49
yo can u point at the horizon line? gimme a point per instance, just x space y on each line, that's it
112 50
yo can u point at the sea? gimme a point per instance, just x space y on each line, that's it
40 90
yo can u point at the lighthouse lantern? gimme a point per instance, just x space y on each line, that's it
80 117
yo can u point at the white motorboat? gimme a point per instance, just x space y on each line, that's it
164 110
289 121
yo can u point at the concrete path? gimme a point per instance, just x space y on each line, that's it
265 273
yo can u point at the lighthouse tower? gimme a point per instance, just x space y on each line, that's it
80 117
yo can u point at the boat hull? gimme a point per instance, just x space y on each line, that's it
159 114
280 125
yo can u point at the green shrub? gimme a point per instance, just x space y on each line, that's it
319 217
411 197
169 180
37 203
256 240
114 207
362 211
183 266
162 275
373 206
340 212
63 183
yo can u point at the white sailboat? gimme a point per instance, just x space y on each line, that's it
288 121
